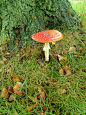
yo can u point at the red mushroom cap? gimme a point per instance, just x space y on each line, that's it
47 36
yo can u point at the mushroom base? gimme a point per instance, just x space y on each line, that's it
46 49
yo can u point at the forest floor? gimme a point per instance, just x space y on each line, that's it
30 86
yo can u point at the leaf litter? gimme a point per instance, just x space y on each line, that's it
8 93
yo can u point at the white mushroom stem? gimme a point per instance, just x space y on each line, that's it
46 49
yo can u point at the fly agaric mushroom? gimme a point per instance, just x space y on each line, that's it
46 37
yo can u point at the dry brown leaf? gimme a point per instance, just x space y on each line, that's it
17 55
57 85
10 89
4 59
17 91
67 70
3 104
42 94
31 107
81 48
34 17
16 31
45 108
61 72
20 26
12 52
65 51
15 77
60 91
4 93
18 39
12 97
7 53
60 57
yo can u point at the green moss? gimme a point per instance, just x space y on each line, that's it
34 15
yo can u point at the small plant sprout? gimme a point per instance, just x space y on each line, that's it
46 37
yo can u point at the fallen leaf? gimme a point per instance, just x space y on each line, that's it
4 93
45 108
7 53
57 85
81 48
17 91
67 70
65 58
34 17
15 77
65 51
16 31
3 104
61 72
60 57
60 91
70 33
4 59
17 39
31 107
82 39
12 97
72 50
42 94
12 52
53 43
10 89
17 55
